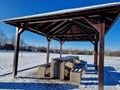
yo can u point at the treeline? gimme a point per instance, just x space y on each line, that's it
8 44
80 52
112 53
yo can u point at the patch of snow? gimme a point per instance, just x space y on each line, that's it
27 73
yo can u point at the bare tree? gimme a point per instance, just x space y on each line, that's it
5 41
3 38
12 40
22 43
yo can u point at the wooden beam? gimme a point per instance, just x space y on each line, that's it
62 28
48 49
92 42
78 24
92 23
54 20
16 52
53 29
21 31
61 42
110 19
101 52
22 27
74 34
66 29
84 25
49 27
45 26
38 25
96 53
35 30
39 33
66 39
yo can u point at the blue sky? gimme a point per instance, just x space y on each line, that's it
18 8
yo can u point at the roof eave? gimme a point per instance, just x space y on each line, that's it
65 11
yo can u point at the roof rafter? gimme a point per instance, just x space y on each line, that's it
75 34
59 25
41 28
86 26
62 28
78 24
92 23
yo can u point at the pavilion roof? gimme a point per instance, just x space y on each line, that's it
78 24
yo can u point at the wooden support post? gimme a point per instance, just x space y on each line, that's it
96 54
48 49
61 48
16 52
101 52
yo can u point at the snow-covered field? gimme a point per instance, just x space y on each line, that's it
27 73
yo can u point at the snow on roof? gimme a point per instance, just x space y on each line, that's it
68 11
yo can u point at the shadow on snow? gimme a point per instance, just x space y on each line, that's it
36 86
111 76
20 70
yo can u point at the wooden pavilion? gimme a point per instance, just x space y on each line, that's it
79 24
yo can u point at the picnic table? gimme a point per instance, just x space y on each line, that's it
69 67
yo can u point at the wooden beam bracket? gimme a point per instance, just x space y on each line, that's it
62 42
92 42
49 38
22 27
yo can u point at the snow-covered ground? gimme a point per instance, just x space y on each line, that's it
27 73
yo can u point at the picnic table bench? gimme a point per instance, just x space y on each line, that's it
44 70
77 71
